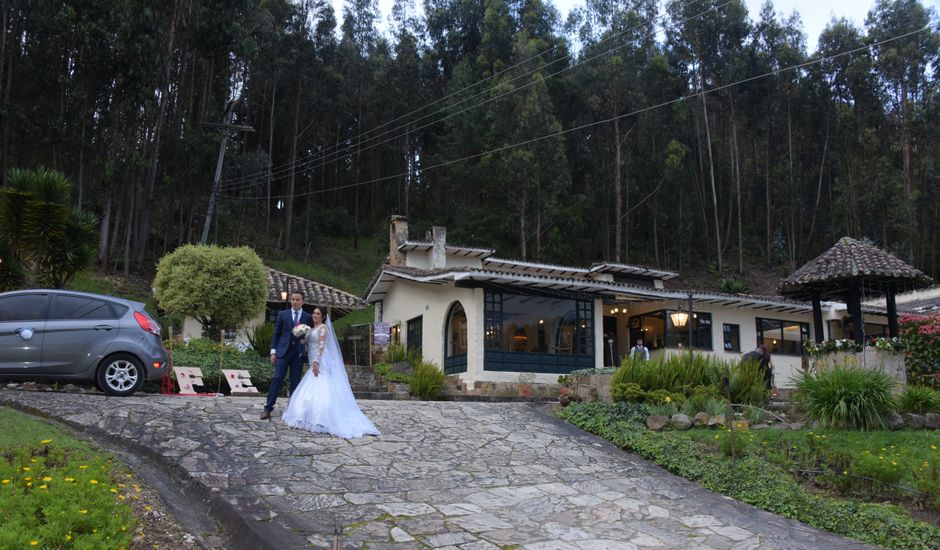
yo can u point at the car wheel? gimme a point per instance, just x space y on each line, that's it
120 374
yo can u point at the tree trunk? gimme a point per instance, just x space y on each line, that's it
267 203
769 227
711 170
289 207
618 192
129 234
736 153
103 235
143 233
819 185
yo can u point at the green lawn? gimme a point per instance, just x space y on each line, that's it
877 465
57 491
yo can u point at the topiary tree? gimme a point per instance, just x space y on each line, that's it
42 240
220 287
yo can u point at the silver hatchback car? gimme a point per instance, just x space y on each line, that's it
66 335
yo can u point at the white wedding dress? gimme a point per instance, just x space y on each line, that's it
325 403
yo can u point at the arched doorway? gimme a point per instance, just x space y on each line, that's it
455 340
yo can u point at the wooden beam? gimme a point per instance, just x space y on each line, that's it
817 318
892 314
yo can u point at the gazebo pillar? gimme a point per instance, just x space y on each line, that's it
855 310
817 317
892 314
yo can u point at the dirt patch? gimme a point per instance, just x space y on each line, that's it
156 527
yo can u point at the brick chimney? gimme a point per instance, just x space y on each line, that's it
438 247
397 235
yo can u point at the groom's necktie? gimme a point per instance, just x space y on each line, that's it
296 318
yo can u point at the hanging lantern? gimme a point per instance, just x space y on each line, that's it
679 318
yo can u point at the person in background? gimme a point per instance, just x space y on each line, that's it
641 350
761 356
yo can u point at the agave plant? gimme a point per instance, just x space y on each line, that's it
40 235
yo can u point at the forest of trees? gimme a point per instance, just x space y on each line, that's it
567 141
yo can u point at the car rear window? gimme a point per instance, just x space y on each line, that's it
79 307
118 310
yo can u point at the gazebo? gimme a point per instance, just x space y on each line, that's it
851 271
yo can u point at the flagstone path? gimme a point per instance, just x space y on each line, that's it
443 475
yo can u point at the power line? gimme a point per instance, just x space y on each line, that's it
332 153
523 143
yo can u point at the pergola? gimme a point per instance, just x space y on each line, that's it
851 271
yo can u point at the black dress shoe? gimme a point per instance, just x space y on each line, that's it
265 414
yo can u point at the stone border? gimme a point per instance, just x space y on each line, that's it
242 521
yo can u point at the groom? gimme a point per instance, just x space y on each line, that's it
286 350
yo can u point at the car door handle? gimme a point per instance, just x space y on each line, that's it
104 327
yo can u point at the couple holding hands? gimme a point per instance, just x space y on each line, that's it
321 401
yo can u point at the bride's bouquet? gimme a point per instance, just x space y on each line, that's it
300 330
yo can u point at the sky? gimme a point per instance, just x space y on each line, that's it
816 14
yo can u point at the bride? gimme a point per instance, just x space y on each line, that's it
323 401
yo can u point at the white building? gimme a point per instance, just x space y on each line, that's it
485 318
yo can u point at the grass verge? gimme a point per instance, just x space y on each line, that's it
58 492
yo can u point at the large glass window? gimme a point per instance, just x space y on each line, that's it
840 329
539 324
783 337
657 330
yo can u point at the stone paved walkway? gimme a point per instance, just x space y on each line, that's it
443 475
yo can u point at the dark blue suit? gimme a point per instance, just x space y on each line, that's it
289 351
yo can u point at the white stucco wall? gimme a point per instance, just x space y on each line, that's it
193 329
406 300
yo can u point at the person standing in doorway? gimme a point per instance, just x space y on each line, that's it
639 350
287 350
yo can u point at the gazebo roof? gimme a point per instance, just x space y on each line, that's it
315 293
830 273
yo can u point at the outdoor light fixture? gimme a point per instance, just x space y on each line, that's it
283 295
679 318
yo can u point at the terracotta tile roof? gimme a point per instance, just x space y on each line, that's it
314 293
850 259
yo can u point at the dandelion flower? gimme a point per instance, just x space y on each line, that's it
27 478
113 490
47 478
148 508
933 446
122 497
83 467
34 543
93 481
25 468
46 441
70 479
5 481
68 537
83 511
43 486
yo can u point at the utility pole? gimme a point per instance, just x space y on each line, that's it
226 126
